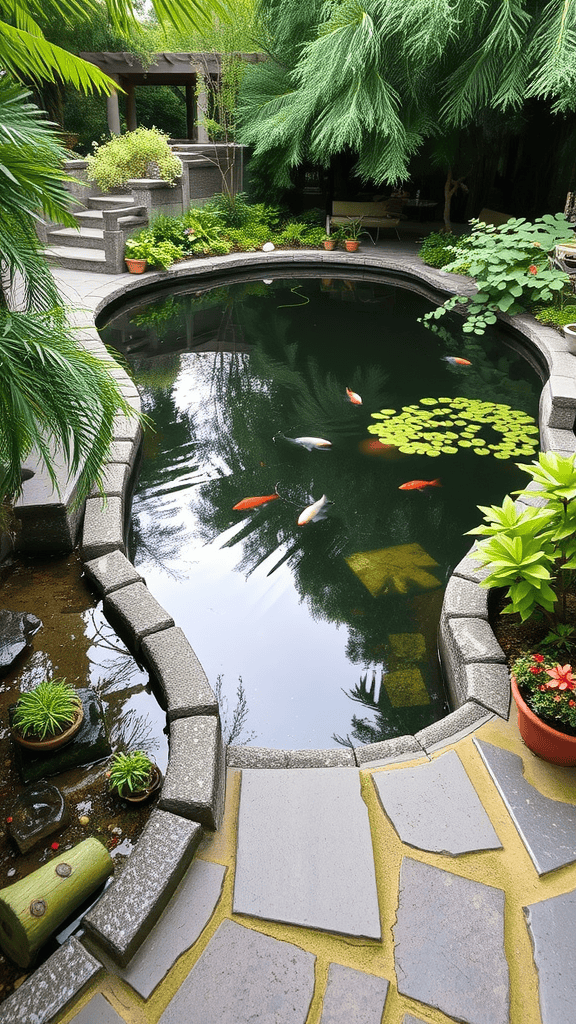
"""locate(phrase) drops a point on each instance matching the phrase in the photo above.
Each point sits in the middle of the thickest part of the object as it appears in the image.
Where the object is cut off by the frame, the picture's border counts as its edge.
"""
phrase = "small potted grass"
(133, 776)
(48, 716)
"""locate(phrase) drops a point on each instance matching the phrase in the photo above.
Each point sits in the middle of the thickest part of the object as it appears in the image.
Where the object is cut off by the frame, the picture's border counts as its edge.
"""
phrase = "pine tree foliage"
(378, 77)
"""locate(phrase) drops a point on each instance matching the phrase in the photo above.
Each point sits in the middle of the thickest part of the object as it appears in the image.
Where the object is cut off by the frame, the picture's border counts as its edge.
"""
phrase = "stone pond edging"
(192, 796)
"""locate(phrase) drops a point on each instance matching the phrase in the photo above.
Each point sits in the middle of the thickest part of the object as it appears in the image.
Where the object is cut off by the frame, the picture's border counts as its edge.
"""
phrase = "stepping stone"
(449, 937)
(245, 977)
(435, 807)
(305, 851)
(546, 827)
(97, 1011)
(16, 631)
(36, 813)
(551, 926)
(353, 997)
(183, 920)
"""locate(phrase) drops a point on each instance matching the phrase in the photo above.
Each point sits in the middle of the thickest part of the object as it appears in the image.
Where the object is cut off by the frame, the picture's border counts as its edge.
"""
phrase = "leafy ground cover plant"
(438, 249)
(46, 710)
(143, 153)
(548, 688)
(556, 316)
(532, 550)
(511, 267)
(130, 772)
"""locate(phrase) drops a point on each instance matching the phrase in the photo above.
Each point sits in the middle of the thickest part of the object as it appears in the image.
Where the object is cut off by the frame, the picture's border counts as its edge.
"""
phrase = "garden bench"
(372, 215)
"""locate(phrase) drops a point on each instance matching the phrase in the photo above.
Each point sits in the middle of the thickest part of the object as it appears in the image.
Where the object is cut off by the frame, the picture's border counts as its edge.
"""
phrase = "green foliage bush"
(438, 250)
(130, 156)
(556, 316)
(46, 710)
(129, 771)
(511, 267)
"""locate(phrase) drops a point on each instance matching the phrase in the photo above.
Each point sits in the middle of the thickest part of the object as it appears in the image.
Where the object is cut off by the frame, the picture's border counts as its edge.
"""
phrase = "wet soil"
(75, 642)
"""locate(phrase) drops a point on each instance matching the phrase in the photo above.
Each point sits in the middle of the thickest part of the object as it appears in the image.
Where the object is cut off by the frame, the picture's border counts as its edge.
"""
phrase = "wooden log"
(34, 907)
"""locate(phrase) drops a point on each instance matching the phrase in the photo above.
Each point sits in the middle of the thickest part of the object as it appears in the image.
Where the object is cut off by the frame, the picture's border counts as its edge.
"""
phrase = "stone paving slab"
(409, 1019)
(435, 807)
(546, 827)
(304, 852)
(97, 1011)
(353, 997)
(245, 977)
(182, 922)
(551, 924)
(54, 984)
(449, 952)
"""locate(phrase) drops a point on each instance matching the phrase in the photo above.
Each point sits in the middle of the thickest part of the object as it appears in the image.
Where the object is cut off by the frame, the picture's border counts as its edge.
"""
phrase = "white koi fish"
(314, 512)
(310, 443)
(353, 397)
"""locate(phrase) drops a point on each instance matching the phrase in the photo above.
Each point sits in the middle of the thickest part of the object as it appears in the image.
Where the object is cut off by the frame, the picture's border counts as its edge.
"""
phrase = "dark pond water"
(330, 627)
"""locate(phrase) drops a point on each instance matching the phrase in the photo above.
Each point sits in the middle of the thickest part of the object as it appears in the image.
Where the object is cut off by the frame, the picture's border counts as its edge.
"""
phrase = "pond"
(323, 633)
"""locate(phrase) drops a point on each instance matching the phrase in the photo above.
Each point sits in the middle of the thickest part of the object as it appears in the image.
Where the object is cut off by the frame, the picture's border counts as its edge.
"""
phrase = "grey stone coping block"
(396, 749)
(353, 997)
(562, 441)
(469, 640)
(122, 451)
(489, 686)
(181, 924)
(136, 612)
(97, 1011)
(245, 977)
(449, 951)
(114, 480)
(256, 757)
(435, 807)
(129, 907)
(180, 674)
(551, 927)
(469, 568)
(48, 991)
(103, 528)
(455, 726)
(126, 428)
(304, 853)
(563, 392)
(336, 758)
(195, 777)
(111, 572)
(464, 599)
(546, 827)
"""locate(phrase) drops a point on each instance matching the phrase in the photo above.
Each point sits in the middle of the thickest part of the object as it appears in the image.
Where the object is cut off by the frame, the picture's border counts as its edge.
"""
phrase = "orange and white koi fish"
(254, 502)
(456, 361)
(419, 485)
(353, 397)
(310, 443)
(314, 512)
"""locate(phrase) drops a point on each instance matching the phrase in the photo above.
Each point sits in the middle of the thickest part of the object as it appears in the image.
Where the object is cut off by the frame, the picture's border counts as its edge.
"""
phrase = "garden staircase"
(97, 244)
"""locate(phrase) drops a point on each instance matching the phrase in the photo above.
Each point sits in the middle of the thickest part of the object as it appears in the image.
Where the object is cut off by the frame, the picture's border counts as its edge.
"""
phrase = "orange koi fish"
(372, 446)
(254, 502)
(456, 361)
(314, 512)
(353, 397)
(419, 485)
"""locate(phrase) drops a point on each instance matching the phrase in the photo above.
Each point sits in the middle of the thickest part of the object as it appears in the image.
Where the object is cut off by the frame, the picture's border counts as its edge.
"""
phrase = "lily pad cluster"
(443, 426)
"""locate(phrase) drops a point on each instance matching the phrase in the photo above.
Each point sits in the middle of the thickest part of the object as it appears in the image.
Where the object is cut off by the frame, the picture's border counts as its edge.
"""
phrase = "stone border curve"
(192, 796)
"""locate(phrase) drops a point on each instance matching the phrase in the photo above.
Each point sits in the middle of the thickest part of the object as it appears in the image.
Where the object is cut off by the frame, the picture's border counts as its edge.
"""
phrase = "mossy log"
(31, 909)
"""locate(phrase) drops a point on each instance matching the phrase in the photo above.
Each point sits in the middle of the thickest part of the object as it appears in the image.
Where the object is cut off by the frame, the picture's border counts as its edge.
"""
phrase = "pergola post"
(113, 110)
(190, 110)
(131, 122)
(201, 107)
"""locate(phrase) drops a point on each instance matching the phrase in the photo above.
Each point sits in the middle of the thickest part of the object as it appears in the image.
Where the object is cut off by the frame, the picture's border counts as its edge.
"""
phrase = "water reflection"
(307, 615)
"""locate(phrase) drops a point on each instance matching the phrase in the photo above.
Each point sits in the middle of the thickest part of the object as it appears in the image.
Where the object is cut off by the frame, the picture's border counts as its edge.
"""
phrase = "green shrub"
(143, 246)
(46, 710)
(219, 247)
(556, 316)
(249, 238)
(437, 250)
(129, 771)
(232, 211)
(130, 156)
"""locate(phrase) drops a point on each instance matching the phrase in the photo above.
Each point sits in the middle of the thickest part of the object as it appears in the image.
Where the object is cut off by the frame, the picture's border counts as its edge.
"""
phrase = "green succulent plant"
(46, 710)
(130, 771)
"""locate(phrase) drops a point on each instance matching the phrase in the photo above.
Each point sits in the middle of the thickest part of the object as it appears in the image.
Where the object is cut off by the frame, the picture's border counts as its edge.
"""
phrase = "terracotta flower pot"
(542, 739)
(136, 266)
(329, 244)
(139, 796)
(50, 743)
(352, 244)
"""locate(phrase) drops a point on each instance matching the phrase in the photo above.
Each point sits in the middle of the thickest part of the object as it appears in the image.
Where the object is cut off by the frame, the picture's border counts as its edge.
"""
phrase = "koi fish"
(456, 361)
(419, 485)
(372, 446)
(314, 512)
(253, 502)
(353, 397)
(310, 443)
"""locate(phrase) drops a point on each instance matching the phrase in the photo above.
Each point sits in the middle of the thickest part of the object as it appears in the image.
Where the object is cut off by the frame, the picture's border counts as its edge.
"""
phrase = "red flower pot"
(351, 244)
(542, 739)
(329, 244)
(136, 266)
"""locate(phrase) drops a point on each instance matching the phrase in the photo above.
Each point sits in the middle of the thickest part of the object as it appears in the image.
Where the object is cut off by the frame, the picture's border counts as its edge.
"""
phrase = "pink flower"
(532, 269)
(535, 669)
(561, 677)
(538, 657)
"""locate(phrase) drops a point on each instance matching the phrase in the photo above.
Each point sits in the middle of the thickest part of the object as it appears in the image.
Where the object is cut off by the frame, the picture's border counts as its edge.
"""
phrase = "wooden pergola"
(187, 69)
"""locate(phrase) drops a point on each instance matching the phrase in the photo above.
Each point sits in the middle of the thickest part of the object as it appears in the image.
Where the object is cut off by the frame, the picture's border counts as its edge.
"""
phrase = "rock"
(16, 629)
(83, 819)
(38, 811)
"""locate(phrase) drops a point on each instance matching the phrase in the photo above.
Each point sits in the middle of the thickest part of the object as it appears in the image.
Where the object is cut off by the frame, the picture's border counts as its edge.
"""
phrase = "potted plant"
(133, 776)
(532, 551)
(143, 153)
(351, 233)
(138, 251)
(48, 716)
(329, 241)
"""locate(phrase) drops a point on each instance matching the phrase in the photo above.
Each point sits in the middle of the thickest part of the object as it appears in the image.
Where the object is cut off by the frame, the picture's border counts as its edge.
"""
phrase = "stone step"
(88, 238)
(108, 202)
(89, 217)
(77, 258)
